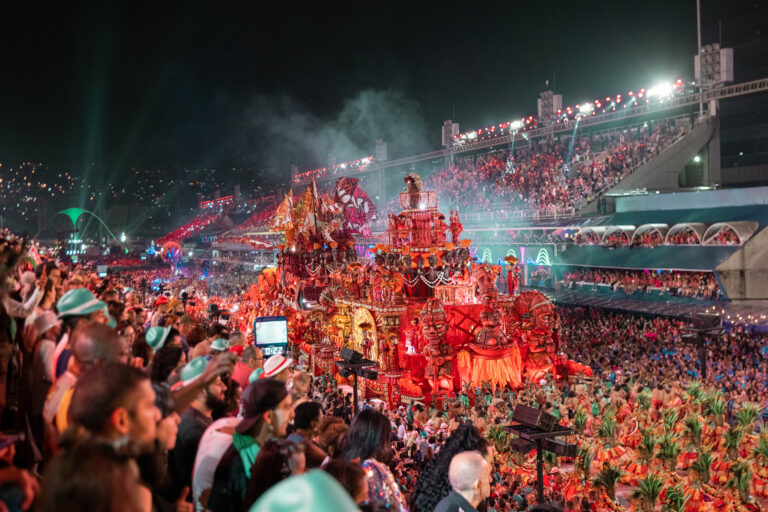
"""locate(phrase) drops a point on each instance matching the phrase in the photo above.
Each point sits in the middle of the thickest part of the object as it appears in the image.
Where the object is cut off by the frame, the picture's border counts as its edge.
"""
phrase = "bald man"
(93, 344)
(470, 477)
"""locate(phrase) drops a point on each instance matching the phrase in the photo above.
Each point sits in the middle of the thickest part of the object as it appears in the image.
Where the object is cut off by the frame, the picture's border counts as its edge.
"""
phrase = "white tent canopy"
(661, 229)
(610, 230)
(697, 227)
(743, 229)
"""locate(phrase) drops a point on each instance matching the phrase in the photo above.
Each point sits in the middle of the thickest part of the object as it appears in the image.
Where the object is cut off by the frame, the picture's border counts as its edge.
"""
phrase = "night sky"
(266, 85)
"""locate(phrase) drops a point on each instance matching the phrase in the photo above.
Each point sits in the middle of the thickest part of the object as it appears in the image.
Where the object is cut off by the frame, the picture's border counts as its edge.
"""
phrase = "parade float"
(417, 303)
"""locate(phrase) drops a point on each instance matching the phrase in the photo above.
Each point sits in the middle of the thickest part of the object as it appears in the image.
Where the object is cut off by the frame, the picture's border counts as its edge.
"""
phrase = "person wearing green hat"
(219, 345)
(267, 411)
(194, 420)
(156, 336)
(315, 491)
(255, 375)
(76, 307)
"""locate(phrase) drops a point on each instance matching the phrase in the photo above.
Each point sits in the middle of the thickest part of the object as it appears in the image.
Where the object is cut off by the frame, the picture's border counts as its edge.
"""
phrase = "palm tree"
(747, 415)
(761, 450)
(715, 408)
(674, 499)
(693, 430)
(580, 420)
(644, 402)
(670, 418)
(648, 491)
(668, 451)
(607, 479)
(702, 465)
(584, 457)
(498, 436)
(607, 430)
(694, 389)
(647, 445)
(740, 480)
(733, 438)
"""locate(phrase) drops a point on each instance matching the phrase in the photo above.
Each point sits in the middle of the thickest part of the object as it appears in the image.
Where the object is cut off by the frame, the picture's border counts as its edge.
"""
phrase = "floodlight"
(660, 90)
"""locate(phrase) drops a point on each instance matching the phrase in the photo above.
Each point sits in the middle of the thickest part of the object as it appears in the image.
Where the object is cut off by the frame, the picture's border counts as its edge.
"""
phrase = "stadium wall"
(744, 274)
(694, 200)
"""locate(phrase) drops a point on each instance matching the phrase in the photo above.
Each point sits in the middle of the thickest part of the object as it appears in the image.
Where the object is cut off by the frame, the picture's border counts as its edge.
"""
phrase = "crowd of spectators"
(190, 228)
(649, 238)
(699, 285)
(260, 219)
(654, 238)
(140, 402)
(726, 236)
(548, 174)
(685, 237)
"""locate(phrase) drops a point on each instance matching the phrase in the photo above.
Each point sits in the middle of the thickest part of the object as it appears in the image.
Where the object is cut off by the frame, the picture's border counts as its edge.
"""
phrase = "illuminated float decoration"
(421, 306)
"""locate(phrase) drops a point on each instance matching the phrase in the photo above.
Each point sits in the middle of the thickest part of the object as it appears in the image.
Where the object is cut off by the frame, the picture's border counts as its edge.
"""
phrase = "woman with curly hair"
(368, 442)
(165, 362)
(433, 484)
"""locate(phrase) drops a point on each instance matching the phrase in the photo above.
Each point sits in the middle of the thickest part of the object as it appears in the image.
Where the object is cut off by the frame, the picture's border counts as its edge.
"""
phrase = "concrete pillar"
(714, 175)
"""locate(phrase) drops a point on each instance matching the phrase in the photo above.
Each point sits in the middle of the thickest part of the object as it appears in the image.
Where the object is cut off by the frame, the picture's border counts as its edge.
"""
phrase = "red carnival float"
(419, 305)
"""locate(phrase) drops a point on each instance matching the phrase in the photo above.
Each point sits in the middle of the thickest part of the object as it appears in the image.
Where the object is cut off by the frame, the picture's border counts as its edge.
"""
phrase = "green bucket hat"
(79, 302)
(255, 374)
(220, 345)
(156, 337)
(193, 369)
(316, 491)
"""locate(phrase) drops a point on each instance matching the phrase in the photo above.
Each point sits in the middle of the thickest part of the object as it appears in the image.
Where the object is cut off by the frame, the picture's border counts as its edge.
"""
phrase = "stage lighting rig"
(353, 364)
(537, 428)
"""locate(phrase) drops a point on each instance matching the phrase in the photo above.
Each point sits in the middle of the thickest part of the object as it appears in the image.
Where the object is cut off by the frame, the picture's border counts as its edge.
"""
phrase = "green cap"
(194, 369)
(316, 491)
(255, 374)
(220, 345)
(156, 337)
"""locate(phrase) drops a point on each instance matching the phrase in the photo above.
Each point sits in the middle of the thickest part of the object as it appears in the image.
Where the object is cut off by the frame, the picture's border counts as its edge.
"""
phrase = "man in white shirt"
(215, 441)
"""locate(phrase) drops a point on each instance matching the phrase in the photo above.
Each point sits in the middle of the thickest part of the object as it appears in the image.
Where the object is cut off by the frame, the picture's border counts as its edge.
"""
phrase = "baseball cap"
(258, 398)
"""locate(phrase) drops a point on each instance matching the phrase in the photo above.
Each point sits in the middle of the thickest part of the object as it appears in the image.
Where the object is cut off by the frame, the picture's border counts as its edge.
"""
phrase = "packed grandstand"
(479, 288)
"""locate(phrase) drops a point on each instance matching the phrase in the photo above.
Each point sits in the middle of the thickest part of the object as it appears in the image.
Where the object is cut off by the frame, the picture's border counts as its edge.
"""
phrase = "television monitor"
(270, 334)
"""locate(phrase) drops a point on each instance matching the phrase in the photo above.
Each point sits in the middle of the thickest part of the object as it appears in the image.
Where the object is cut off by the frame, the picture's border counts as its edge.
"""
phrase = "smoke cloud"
(280, 131)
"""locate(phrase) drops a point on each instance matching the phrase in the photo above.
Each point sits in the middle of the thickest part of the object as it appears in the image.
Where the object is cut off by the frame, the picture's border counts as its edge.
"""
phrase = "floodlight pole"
(698, 51)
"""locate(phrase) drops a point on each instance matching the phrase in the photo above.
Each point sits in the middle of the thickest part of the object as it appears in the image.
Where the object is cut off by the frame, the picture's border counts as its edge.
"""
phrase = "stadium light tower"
(698, 52)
